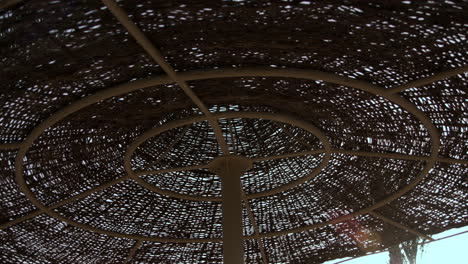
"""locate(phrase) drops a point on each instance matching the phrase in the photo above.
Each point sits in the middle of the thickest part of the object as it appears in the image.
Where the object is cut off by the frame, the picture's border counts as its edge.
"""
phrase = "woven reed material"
(55, 53)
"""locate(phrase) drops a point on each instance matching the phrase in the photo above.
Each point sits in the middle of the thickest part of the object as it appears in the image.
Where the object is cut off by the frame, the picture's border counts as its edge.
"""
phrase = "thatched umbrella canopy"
(126, 129)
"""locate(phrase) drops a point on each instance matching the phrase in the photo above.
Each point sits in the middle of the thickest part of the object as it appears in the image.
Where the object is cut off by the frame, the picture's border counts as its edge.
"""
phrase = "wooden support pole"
(230, 169)
(403, 227)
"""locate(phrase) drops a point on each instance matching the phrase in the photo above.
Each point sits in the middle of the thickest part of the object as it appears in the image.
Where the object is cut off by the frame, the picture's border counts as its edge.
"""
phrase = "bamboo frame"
(180, 79)
(140, 37)
(133, 251)
(223, 73)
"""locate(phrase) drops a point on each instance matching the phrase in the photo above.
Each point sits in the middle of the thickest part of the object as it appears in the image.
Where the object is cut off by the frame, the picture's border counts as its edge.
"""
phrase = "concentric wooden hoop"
(253, 115)
(223, 73)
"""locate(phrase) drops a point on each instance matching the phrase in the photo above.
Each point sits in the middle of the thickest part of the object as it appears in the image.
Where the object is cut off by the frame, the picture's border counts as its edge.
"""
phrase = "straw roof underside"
(357, 71)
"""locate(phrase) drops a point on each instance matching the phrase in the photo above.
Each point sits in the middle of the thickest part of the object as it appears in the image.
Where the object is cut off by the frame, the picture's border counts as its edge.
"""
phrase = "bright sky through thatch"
(452, 250)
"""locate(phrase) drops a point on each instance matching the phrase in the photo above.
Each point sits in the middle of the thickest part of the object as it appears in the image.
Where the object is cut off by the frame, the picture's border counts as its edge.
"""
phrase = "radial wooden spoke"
(366, 210)
(351, 190)
(89, 192)
(187, 168)
(452, 161)
(64, 202)
(289, 155)
(255, 228)
(170, 147)
(396, 156)
(177, 195)
(398, 225)
(428, 80)
(151, 187)
(130, 236)
(21, 219)
(140, 37)
(298, 139)
(379, 155)
(293, 183)
(133, 251)
(435, 144)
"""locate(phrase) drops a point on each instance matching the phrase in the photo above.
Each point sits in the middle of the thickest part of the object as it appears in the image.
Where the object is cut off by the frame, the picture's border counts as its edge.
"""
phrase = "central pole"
(230, 169)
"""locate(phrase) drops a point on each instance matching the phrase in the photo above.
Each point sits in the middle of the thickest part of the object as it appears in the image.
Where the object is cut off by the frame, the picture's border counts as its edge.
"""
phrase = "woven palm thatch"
(353, 113)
